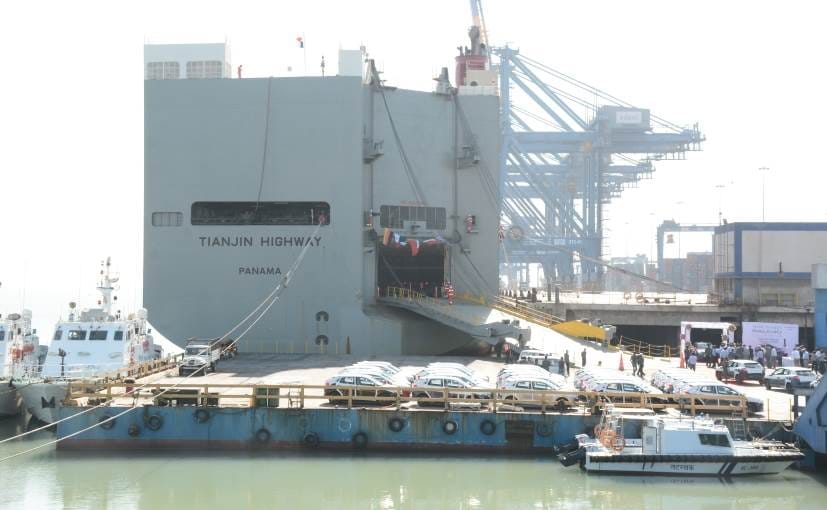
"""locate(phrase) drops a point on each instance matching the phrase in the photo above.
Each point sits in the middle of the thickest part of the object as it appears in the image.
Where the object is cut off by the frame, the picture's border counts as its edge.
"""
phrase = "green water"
(49, 479)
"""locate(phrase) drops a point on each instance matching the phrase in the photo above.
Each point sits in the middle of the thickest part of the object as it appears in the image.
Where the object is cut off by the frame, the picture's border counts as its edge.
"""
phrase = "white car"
(359, 385)
(472, 374)
(789, 378)
(437, 386)
(386, 367)
(709, 391)
(536, 357)
(741, 370)
(429, 372)
(375, 372)
(534, 393)
(527, 370)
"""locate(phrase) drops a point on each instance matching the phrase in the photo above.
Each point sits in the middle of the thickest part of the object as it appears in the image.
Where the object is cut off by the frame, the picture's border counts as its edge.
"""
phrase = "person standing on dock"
(693, 359)
(640, 364)
(561, 367)
(773, 357)
(759, 356)
(568, 363)
(583, 357)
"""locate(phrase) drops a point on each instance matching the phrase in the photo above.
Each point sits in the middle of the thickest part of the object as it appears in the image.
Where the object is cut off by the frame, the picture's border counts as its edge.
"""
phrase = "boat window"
(118, 335)
(98, 334)
(163, 70)
(58, 334)
(77, 334)
(2, 334)
(714, 439)
(260, 213)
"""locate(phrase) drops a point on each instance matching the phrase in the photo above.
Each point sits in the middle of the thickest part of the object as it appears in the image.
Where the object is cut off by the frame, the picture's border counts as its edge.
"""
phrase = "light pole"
(763, 171)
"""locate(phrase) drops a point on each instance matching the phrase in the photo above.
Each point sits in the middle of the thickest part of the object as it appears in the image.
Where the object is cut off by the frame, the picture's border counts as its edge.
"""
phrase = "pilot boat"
(670, 445)
(19, 358)
(89, 344)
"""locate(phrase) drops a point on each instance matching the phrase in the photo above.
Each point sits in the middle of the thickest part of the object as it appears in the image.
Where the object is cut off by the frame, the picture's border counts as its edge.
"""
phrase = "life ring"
(106, 421)
(607, 438)
(154, 422)
(133, 430)
(262, 435)
(311, 440)
(449, 427)
(396, 424)
(360, 440)
(344, 425)
(488, 427)
(543, 429)
(202, 415)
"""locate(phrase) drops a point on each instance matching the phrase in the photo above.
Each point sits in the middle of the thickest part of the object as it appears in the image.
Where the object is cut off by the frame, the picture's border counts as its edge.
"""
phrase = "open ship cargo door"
(423, 271)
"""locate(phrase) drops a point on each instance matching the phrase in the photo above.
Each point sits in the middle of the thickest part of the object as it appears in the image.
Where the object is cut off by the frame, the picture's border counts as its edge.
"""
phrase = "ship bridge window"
(167, 219)
(260, 213)
(163, 71)
(118, 335)
(204, 69)
(714, 439)
(395, 216)
(2, 335)
(77, 334)
(98, 334)
(58, 335)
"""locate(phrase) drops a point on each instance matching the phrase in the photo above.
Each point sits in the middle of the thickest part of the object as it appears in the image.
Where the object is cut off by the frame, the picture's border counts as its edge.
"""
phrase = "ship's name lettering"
(272, 271)
(263, 241)
(682, 467)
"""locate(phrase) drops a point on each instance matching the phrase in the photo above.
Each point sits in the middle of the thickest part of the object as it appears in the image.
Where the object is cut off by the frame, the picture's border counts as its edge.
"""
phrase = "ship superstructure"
(240, 173)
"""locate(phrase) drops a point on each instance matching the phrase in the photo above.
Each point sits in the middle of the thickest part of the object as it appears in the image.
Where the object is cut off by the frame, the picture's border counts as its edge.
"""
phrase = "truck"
(200, 356)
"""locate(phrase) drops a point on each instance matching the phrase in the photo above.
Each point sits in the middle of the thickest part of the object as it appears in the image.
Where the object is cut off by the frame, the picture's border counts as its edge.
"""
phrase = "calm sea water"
(49, 479)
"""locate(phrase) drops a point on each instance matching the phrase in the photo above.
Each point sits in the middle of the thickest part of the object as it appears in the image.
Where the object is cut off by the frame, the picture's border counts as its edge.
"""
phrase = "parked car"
(741, 370)
(528, 370)
(362, 385)
(536, 357)
(436, 386)
(388, 368)
(534, 393)
(789, 378)
(469, 372)
(708, 393)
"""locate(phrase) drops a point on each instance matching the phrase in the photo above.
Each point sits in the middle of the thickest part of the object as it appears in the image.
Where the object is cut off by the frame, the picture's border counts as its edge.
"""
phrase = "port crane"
(567, 150)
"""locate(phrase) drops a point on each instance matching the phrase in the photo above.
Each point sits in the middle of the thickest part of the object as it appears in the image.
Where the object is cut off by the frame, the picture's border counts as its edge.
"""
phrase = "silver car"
(789, 378)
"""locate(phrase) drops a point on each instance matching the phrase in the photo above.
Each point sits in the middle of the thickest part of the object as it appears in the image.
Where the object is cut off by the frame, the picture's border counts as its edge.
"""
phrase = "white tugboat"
(90, 343)
(19, 358)
(686, 446)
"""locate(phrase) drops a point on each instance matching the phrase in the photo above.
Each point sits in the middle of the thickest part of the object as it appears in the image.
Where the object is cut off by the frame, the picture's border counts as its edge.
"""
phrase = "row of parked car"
(709, 391)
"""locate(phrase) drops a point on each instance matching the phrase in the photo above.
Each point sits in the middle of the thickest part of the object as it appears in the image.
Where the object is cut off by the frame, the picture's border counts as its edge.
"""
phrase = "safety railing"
(410, 295)
(631, 345)
(524, 311)
(296, 395)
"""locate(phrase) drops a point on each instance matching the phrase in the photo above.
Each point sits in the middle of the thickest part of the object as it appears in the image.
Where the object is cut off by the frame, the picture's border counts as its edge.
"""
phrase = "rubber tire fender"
(488, 427)
(450, 427)
(359, 440)
(311, 440)
(154, 422)
(543, 429)
(262, 435)
(201, 415)
(134, 430)
(396, 424)
(106, 425)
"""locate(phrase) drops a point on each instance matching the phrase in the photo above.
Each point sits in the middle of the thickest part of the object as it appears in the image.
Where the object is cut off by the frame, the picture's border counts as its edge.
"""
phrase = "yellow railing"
(297, 395)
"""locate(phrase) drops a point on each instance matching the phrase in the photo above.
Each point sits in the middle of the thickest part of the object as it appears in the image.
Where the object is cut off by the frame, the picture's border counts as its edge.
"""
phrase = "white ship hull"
(43, 400)
(687, 466)
(9, 400)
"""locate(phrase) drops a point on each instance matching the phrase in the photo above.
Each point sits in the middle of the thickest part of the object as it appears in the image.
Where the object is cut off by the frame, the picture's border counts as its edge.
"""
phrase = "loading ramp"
(480, 320)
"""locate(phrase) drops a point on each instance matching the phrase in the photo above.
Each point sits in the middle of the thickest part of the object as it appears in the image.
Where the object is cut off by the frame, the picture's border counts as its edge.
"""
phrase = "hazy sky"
(71, 107)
